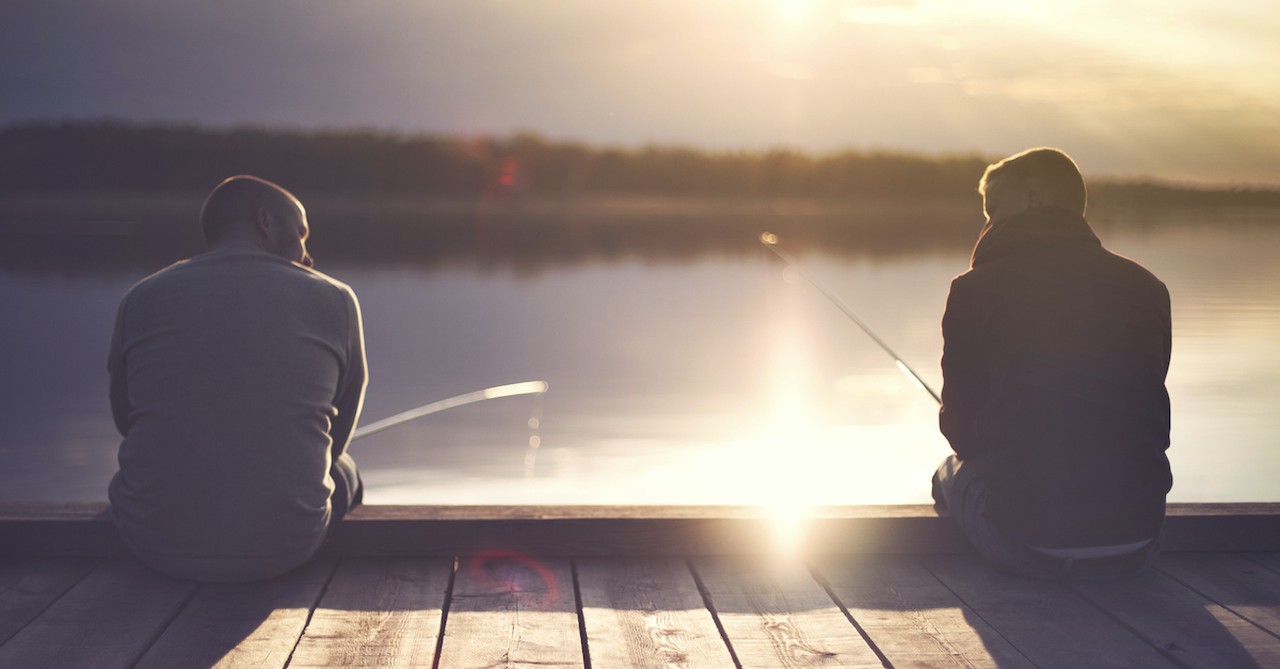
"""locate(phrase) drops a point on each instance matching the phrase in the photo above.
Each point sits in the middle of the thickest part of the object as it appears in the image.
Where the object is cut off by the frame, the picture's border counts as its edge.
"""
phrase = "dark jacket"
(1054, 360)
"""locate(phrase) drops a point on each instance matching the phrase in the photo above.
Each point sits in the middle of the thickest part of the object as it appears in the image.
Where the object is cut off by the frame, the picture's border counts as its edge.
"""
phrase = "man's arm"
(1166, 326)
(964, 374)
(119, 393)
(350, 397)
(1166, 334)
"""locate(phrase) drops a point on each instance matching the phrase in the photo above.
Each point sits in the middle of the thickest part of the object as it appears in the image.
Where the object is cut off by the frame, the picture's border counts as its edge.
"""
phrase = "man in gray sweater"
(237, 377)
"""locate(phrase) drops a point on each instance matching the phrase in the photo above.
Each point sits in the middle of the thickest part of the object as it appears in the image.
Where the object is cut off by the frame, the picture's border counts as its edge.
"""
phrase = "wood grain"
(33, 529)
(1247, 588)
(107, 620)
(1269, 560)
(912, 618)
(1184, 625)
(647, 613)
(100, 511)
(28, 587)
(777, 615)
(1199, 609)
(377, 613)
(233, 625)
(1048, 623)
(512, 611)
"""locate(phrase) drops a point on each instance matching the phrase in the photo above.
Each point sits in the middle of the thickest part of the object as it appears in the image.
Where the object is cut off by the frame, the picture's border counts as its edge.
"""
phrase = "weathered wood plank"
(1222, 527)
(1047, 622)
(1248, 589)
(100, 511)
(705, 512)
(28, 587)
(597, 534)
(647, 613)
(378, 613)
(1183, 624)
(576, 531)
(912, 618)
(621, 512)
(107, 620)
(230, 625)
(777, 615)
(512, 611)
(65, 530)
(1269, 560)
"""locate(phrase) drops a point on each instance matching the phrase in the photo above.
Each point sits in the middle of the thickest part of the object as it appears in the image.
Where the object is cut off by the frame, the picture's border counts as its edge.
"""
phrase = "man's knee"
(348, 489)
(943, 483)
(939, 499)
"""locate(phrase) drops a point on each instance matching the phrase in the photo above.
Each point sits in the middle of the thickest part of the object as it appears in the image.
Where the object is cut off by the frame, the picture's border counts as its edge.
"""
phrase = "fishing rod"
(771, 242)
(508, 390)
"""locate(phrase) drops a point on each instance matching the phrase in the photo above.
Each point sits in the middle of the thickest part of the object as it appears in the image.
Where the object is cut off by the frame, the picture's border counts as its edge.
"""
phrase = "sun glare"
(789, 524)
(779, 458)
(794, 12)
(885, 13)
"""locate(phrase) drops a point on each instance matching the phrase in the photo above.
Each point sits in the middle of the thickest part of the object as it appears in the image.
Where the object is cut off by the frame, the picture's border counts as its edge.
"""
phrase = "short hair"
(236, 201)
(1050, 171)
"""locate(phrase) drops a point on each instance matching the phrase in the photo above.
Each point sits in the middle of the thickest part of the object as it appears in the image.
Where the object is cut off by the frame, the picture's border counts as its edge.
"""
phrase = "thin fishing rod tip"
(768, 238)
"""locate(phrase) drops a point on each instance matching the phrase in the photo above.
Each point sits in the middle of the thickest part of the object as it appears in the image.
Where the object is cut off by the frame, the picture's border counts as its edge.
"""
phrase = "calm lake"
(713, 378)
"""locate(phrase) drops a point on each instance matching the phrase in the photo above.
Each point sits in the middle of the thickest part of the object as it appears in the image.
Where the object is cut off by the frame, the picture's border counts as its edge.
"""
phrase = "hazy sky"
(1183, 89)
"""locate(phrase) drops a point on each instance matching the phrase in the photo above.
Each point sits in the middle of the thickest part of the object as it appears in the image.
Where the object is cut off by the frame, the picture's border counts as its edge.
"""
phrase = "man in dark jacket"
(1054, 360)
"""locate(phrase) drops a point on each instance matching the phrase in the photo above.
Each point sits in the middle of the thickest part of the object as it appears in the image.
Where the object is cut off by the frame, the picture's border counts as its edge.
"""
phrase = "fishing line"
(771, 242)
(508, 390)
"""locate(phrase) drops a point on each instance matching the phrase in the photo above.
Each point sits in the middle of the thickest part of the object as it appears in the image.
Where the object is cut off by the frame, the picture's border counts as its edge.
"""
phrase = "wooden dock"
(627, 587)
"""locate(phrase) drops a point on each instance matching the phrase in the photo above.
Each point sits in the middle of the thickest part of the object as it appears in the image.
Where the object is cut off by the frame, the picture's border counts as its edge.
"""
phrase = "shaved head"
(236, 202)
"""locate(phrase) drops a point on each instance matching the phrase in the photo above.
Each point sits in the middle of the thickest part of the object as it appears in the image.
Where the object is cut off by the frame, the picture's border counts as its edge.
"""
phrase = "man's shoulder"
(1083, 256)
(970, 292)
(159, 278)
(319, 276)
(202, 269)
(972, 279)
(325, 284)
(1135, 270)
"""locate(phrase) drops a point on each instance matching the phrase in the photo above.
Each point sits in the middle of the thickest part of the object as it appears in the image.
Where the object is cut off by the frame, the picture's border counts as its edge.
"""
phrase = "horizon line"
(404, 134)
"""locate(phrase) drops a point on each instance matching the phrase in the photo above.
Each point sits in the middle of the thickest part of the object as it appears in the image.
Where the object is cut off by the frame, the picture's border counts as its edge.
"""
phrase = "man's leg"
(946, 472)
(348, 489)
(960, 491)
(348, 492)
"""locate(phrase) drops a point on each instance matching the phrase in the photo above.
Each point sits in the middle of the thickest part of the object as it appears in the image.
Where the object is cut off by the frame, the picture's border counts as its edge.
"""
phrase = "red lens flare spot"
(507, 177)
(519, 574)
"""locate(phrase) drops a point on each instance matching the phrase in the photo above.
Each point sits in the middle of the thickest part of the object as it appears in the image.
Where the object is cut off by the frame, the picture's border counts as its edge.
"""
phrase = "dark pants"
(348, 489)
(348, 492)
(960, 490)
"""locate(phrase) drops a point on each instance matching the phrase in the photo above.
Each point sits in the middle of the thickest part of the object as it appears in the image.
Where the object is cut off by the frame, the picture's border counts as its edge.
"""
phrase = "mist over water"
(679, 372)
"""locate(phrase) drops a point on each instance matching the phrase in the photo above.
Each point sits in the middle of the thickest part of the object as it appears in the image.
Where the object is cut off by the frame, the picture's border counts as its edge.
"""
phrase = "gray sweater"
(236, 378)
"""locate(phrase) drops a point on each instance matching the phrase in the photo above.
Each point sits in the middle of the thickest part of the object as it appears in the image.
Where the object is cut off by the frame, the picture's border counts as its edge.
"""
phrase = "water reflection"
(696, 376)
(72, 235)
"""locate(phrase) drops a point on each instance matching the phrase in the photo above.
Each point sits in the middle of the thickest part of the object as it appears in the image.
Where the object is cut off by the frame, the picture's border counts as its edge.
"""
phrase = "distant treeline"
(116, 156)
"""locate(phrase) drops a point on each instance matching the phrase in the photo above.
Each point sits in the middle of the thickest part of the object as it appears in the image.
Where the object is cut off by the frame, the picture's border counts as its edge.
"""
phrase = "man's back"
(229, 374)
(1056, 354)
